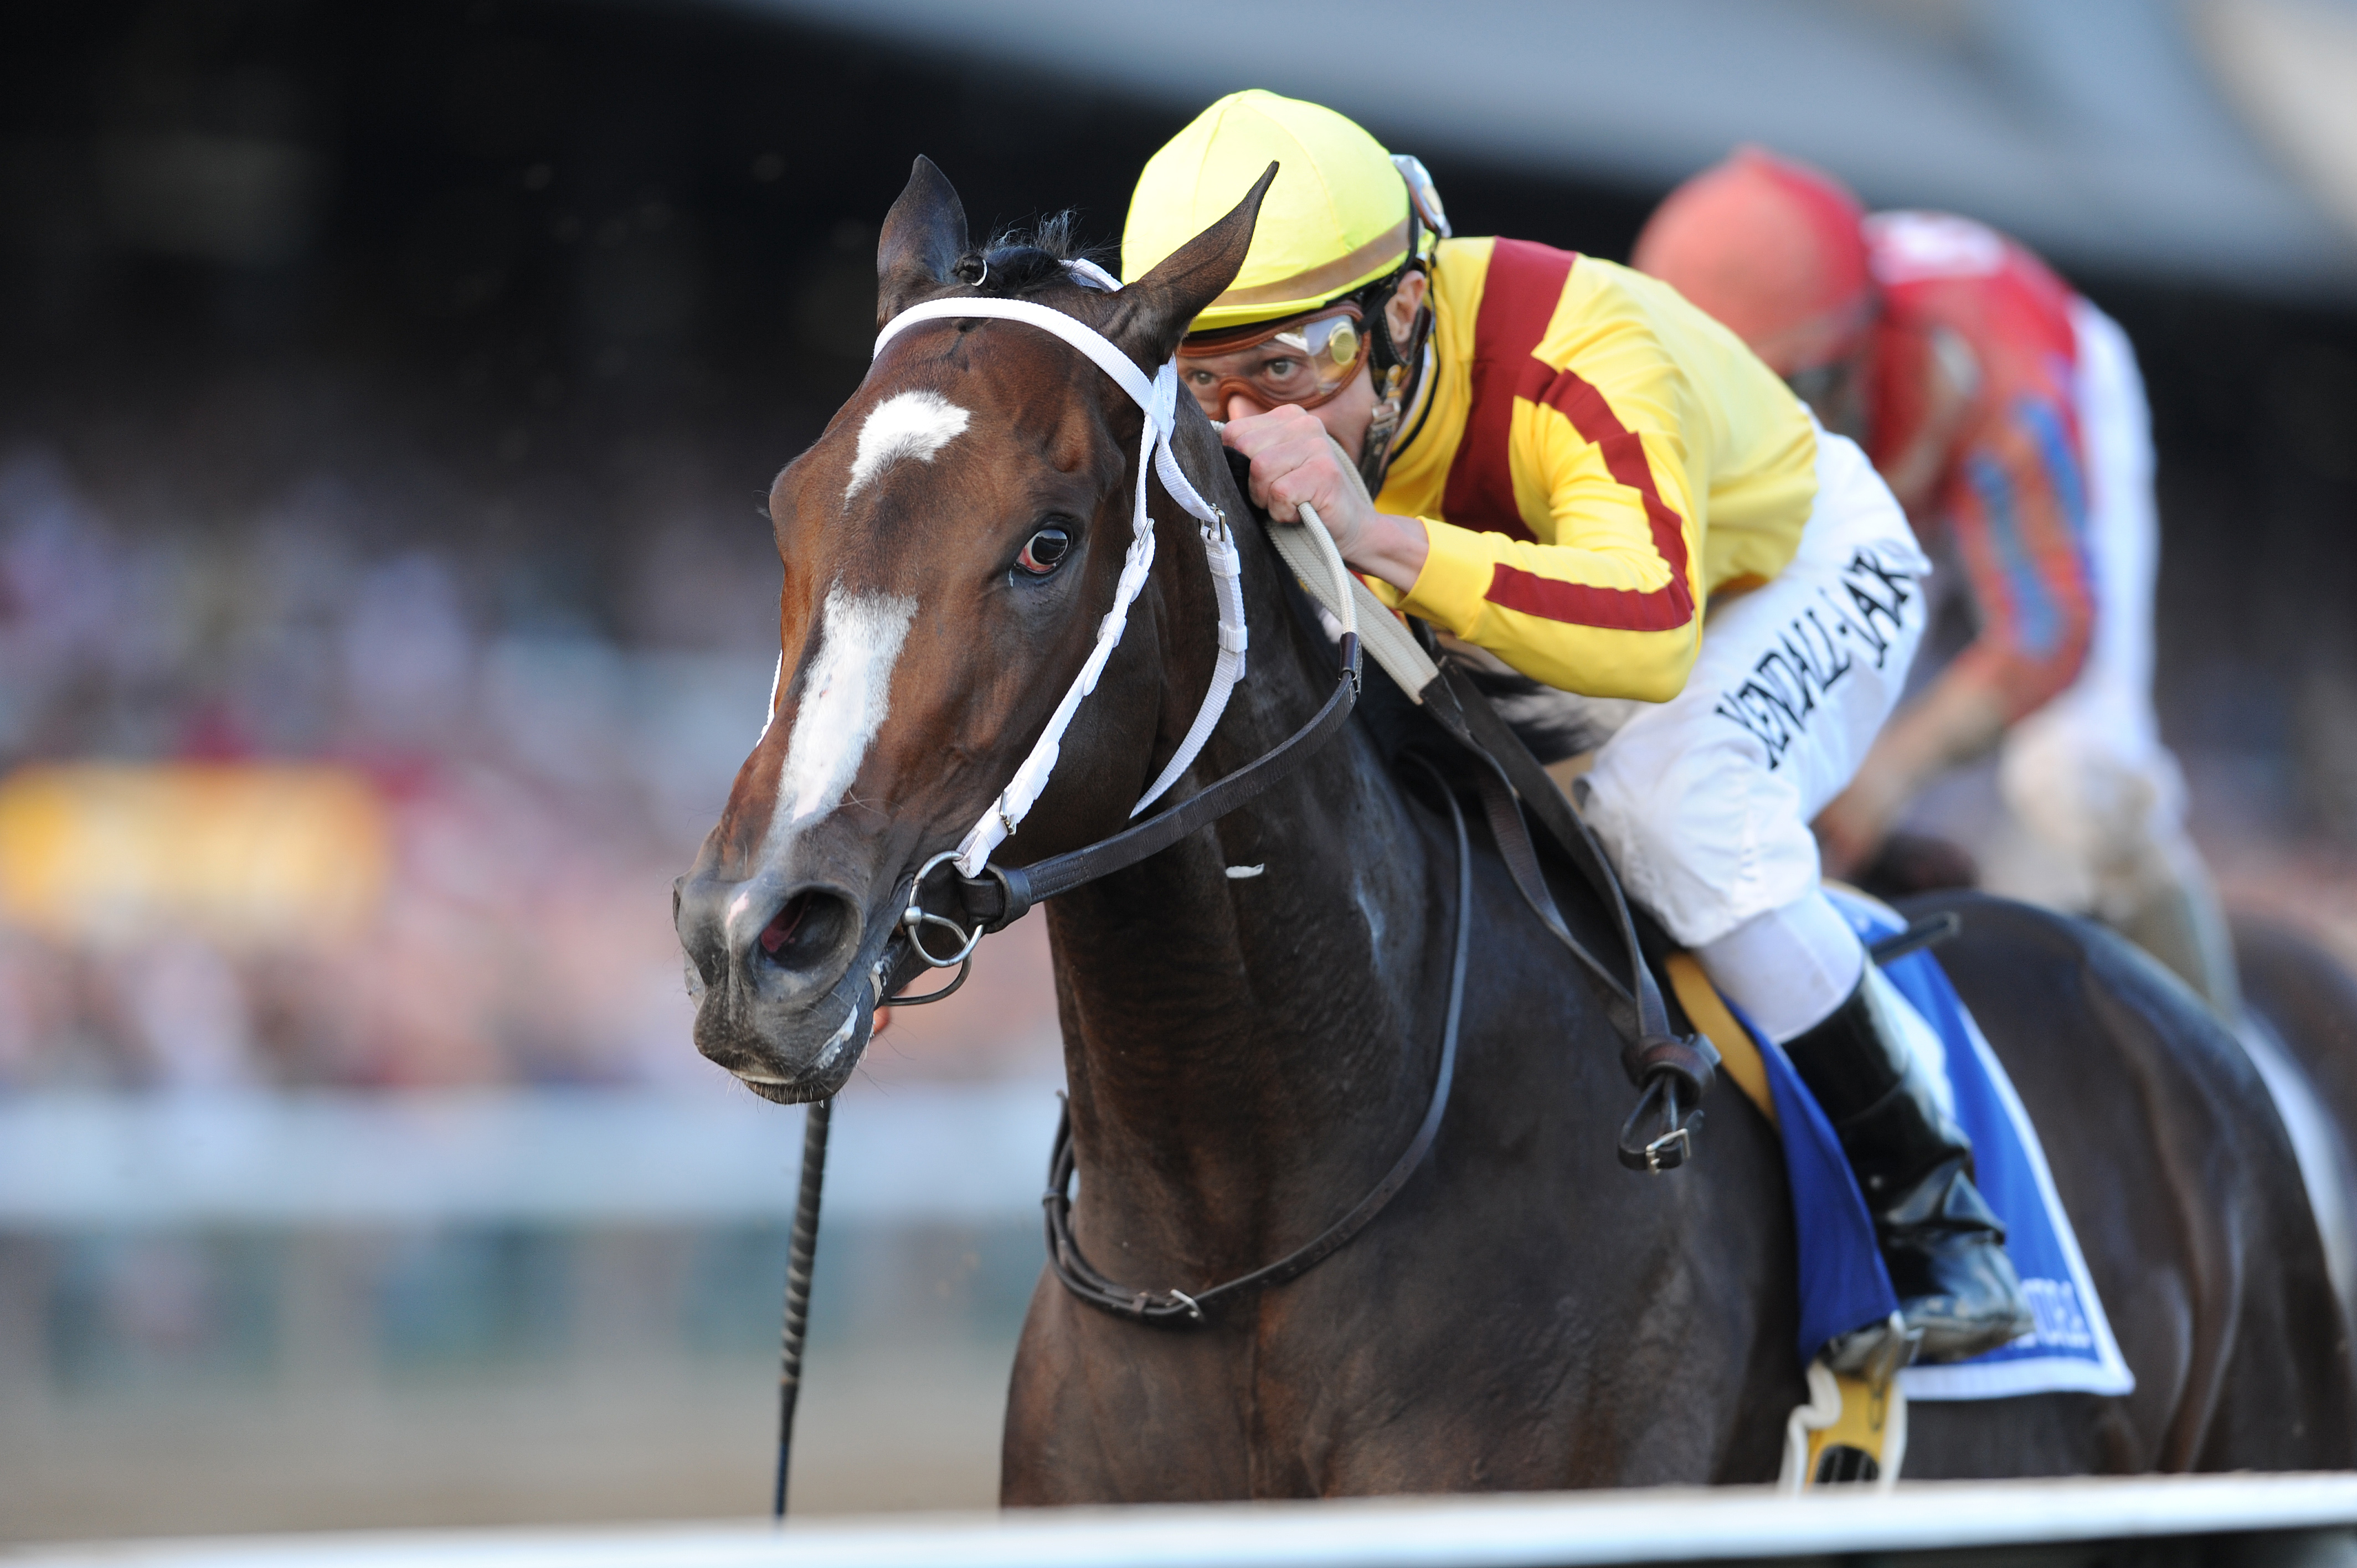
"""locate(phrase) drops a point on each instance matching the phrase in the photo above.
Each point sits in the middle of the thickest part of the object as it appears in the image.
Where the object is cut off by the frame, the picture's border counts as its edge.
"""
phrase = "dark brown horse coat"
(1246, 1057)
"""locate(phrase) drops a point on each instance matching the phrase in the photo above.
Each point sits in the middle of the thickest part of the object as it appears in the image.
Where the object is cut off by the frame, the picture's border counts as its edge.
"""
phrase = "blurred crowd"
(425, 453)
(534, 790)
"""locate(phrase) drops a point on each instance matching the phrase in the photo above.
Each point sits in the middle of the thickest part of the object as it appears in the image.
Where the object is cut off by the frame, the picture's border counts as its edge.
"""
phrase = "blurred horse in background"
(2299, 1025)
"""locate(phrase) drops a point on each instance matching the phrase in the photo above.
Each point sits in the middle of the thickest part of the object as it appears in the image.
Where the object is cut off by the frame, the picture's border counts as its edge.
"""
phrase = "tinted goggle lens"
(1306, 362)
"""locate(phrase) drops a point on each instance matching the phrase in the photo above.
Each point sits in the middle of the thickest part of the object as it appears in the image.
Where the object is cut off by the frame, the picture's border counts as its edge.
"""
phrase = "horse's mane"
(1017, 262)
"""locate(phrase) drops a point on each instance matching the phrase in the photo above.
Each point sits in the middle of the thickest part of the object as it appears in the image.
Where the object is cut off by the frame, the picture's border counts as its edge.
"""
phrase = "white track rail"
(914, 1154)
(1496, 1531)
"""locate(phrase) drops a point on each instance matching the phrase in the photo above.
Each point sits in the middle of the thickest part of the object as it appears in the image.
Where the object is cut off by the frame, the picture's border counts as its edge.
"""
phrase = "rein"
(1664, 1067)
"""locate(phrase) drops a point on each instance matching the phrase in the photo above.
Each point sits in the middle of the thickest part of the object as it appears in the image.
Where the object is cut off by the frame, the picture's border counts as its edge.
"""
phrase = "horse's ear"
(1151, 314)
(924, 235)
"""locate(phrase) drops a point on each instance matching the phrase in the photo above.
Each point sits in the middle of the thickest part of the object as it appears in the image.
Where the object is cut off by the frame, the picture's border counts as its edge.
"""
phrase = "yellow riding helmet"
(1338, 218)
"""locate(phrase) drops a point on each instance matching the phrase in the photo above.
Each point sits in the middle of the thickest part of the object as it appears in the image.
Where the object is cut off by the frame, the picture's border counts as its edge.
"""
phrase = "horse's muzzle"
(791, 977)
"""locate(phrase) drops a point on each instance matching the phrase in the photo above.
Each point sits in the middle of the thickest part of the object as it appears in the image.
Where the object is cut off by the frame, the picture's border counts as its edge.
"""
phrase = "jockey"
(1559, 464)
(2005, 414)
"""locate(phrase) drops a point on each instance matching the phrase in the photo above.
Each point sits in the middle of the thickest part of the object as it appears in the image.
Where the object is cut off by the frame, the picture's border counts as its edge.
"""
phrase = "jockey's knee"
(1787, 970)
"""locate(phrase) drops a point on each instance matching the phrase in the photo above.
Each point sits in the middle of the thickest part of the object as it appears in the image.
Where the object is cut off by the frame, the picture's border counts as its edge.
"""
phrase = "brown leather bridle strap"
(1184, 1308)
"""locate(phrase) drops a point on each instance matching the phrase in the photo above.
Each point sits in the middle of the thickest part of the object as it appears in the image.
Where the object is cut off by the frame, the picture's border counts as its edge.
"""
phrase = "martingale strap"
(1179, 1308)
(1671, 1072)
(1159, 399)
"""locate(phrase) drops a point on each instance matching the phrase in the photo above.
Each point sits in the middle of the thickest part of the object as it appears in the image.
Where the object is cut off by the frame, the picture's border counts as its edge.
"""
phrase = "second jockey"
(1565, 468)
(2007, 416)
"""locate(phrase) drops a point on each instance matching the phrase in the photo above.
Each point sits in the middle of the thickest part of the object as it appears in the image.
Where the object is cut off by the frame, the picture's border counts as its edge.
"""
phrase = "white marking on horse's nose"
(908, 425)
(737, 924)
(844, 700)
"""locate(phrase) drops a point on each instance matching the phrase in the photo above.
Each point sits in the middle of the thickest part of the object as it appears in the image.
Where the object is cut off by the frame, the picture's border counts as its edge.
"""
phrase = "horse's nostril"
(804, 931)
(785, 924)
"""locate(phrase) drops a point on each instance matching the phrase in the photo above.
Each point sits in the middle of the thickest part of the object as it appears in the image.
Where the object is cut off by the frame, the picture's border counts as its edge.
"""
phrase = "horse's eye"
(1044, 552)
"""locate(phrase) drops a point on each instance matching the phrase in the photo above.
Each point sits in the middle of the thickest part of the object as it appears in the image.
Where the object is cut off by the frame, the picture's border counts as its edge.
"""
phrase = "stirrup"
(1875, 1352)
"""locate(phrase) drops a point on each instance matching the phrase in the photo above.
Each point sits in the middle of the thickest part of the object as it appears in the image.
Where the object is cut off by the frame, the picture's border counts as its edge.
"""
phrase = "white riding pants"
(2087, 775)
(1703, 801)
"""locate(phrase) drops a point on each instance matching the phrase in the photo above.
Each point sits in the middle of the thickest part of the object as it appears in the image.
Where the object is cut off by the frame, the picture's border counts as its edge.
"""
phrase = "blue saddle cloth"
(1844, 1284)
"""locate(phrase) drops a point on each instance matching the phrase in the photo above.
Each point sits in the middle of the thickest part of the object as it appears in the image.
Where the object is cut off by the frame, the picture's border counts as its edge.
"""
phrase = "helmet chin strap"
(1405, 380)
(1401, 373)
(1383, 425)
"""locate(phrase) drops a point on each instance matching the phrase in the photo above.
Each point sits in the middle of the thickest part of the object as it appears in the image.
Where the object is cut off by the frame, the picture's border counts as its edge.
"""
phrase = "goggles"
(1303, 359)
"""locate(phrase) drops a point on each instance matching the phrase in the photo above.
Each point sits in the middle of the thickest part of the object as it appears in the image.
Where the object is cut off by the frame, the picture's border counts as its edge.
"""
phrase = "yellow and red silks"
(1593, 458)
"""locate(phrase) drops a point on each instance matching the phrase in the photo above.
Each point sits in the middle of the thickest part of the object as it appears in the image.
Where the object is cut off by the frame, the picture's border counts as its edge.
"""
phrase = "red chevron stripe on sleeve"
(1518, 297)
(1665, 608)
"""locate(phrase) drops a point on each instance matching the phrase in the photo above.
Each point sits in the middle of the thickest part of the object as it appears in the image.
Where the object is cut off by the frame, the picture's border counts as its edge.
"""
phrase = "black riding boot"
(1941, 1240)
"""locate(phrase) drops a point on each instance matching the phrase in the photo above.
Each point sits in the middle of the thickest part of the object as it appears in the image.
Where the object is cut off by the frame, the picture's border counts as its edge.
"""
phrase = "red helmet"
(1772, 248)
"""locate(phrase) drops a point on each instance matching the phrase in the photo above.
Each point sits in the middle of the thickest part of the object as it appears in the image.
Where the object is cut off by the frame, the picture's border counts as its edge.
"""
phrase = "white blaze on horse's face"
(843, 702)
(907, 425)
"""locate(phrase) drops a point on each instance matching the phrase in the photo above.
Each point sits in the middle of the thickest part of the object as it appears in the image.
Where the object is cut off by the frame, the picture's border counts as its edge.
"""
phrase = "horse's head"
(951, 543)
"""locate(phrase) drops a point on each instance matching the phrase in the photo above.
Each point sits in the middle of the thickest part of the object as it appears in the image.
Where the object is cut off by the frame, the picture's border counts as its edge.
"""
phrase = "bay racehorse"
(1248, 1050)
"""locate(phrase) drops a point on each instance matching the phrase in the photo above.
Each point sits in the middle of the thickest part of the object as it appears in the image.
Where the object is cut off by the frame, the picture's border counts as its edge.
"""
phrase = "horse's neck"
(1247, 1052)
